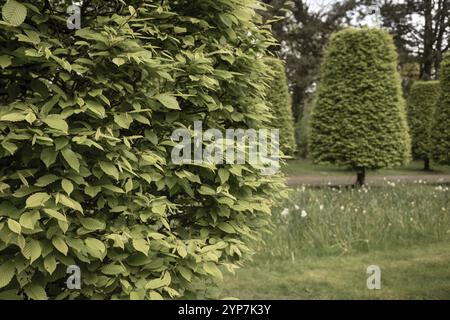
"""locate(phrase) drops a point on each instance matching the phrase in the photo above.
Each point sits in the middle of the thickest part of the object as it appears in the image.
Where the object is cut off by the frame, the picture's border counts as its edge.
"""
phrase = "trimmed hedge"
(441, 125)
(86, 176)
(422, 102)
(280, 102)
(359, 120)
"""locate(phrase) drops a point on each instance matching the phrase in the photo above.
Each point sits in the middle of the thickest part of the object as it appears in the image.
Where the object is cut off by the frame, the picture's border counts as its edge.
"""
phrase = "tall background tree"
(422, 102)
(441, 126)
(359, 119)
(280, 101)
(421, 31)
(303, 29)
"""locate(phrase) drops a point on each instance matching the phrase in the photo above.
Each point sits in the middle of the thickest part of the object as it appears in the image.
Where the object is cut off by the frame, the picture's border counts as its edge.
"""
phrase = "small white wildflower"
(304, 214)
(296, 207)
(342, 208)
(285, 212)
(321, 207)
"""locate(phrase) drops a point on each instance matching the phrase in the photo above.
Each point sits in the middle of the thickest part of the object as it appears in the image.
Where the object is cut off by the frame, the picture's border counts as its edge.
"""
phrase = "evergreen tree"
(359, 120)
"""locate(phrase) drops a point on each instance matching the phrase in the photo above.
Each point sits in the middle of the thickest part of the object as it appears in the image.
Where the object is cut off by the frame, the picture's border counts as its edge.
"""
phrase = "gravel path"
(317, 180)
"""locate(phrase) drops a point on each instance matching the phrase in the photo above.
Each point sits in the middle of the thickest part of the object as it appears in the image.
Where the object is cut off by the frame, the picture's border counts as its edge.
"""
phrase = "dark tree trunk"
(426, 166)
(360, 178)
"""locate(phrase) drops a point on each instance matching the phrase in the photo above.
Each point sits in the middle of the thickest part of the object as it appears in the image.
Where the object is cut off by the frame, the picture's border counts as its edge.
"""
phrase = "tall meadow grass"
(327, 221)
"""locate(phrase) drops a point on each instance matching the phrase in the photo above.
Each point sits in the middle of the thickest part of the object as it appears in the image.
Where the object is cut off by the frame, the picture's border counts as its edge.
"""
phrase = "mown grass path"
(420, 272)
(304, 172)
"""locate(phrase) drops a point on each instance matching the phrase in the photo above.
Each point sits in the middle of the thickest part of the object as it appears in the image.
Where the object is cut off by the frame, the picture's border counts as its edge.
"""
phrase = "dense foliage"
(303, 129)
(359, 119)
(441, 125)
(422, 102)
(86, 116)
(281, 105)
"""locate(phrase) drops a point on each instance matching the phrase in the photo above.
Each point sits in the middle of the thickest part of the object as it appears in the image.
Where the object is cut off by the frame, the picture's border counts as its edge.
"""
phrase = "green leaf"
(141, 245)
(185, 273)
(158, 283)
(60, 245)
(212, 269)
(10, 147)
(50, 263)
(55, 214)
(168, 101)
(46, 180)
(56, 122)
(123, 120)
(155, 295)
(14, 226)
(35, 291)
(71, 158)
(32, 250)
(29, 219)
(48, 156)
(67, 186)
(182, 251)
(14, 13)
(226, 227)
(92, 224)
(7, 271)
(37, 200)
(113, 269)
(13, 117)
(92, 190)
(224, 175)
(118, 61)
(68, 202)
(97, 248)
(96, 108)
(110, 169)
(5, 61)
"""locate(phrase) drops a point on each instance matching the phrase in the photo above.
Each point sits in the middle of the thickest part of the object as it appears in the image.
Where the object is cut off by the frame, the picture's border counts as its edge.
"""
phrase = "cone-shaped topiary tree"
(422, 103)
(359, 120)
(280, 102)
(441, 126)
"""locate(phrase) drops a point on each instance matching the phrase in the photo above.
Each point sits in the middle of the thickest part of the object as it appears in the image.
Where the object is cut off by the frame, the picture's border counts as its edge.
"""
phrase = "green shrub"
(281, 105)
(422, 102)
(359, 120)
(86, 176)
(441, 126)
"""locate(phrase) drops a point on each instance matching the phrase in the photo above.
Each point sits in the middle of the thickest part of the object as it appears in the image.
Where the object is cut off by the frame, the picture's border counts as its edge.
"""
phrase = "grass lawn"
(408, 273)
(306, 167)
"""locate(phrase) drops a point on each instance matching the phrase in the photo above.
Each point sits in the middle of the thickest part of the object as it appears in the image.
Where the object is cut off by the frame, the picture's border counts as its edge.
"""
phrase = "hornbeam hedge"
(422, 102)
(441, 124)
(86, 177)
(359, 120)
(281, 106)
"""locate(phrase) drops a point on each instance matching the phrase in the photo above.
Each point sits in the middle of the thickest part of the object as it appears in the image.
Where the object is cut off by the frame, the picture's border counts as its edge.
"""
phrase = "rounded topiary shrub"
(359, 119)
(280, 103)
(87, 181)
(441, 124)
(422, 102)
